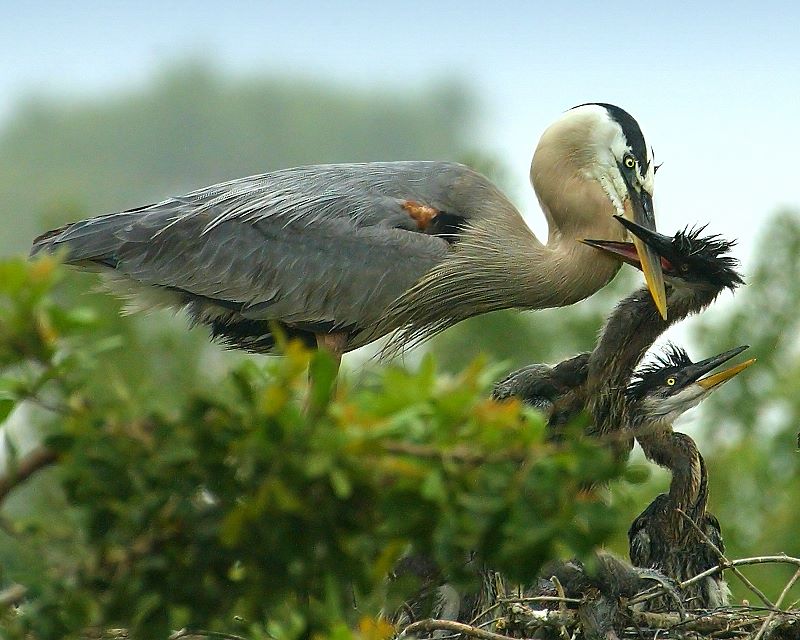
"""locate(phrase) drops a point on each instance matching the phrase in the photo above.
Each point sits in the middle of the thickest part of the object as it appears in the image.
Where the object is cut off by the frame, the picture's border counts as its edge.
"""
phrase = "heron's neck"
(532, 275)
(677, 452)
(629, 332)
(498, 263)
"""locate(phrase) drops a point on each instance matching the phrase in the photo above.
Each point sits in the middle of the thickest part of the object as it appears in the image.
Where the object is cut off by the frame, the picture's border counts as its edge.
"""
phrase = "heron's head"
(685, 257)
(662, 390)
(593, 163)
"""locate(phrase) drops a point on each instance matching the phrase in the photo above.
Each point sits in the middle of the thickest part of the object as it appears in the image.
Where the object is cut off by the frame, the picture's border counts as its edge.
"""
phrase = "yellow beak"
(641, 212)
(718, 378)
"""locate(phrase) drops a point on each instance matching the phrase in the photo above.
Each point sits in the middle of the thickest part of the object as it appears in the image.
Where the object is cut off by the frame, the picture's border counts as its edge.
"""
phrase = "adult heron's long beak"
(639, 209)
(657, 247)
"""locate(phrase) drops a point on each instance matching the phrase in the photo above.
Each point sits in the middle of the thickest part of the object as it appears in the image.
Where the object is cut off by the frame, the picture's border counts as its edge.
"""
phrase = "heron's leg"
(334, 344)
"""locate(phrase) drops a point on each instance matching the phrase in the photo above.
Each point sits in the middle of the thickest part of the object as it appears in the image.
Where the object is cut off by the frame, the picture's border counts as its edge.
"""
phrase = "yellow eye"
(629, 162)
(671, 381)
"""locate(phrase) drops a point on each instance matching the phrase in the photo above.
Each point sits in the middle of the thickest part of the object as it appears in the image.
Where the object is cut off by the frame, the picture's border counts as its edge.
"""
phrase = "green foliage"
(235, 510)
(750, 428)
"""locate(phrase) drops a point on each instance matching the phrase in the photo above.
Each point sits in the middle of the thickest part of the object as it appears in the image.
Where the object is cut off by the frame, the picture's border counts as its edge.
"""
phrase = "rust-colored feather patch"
(422, 214)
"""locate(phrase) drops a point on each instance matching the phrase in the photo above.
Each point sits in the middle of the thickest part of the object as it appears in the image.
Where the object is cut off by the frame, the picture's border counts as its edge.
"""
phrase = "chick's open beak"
(717, 379)
(657, 248)
(693, 373)
(639, 209)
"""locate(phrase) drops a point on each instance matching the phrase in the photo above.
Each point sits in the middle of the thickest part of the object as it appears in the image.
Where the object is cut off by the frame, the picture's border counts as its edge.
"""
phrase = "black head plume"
(657, 370)
(707, 256)
(630, 129)
(688, 255)
(672, 356)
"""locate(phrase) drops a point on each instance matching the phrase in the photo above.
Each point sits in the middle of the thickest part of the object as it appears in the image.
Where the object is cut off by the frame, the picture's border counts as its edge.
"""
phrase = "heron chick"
(665, 535)
(340, 255)
(696, 269)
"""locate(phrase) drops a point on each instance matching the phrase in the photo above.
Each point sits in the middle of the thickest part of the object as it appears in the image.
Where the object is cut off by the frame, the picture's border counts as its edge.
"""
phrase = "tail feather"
(95, 240)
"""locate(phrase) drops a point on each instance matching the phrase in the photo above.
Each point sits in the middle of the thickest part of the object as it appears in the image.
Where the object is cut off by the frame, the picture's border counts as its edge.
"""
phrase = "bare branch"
(779, 602)
(12, 595)
(26, 467)
(659, 590)
(449, 625)
(542, 599)
(727, 563)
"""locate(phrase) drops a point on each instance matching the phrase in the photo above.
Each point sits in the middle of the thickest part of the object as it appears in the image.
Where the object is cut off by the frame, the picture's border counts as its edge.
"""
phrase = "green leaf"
(341, 484)
(6, 407)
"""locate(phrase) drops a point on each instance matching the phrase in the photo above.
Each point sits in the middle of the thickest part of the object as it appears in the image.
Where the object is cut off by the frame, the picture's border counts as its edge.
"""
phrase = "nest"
(565, 618)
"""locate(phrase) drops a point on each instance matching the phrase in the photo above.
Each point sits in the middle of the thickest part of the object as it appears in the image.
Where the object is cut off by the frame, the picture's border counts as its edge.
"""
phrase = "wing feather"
(330, 243)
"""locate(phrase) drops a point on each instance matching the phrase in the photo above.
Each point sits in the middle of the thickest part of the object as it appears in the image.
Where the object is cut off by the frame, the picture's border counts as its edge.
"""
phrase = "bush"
(233, 509)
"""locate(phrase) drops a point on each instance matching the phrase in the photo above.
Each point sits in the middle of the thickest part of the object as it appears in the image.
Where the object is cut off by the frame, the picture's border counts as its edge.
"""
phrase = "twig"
(12, 595)
(542, 599)
(562, 630)
(654, 592)
(778, 603)
(449, 625)
(456, 454)
(34, 461)
(727, 562)
(528, 620)
(483, 613)
(201, 633)
(783, 558)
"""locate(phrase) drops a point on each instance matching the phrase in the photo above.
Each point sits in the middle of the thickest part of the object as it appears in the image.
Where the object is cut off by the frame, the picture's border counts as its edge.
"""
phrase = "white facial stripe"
(608, 134)
(611, 188)
(608, 147)
(649, 178)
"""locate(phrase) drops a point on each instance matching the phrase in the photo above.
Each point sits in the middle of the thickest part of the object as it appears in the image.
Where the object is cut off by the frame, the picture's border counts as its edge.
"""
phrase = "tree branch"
(26, 467)
(778, 603)
(724, 561)
(12, 595)
(450, 625)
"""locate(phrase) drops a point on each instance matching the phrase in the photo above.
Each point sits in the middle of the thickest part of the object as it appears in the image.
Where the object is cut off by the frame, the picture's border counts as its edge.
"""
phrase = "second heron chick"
(667, 536)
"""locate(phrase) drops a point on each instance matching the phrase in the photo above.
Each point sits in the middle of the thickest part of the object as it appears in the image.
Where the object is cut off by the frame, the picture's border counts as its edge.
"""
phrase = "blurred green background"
(191, 125)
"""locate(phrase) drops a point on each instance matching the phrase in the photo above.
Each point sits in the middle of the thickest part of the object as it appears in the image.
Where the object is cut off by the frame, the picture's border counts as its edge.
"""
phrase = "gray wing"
(646, 545)
(332, 244)
(530, 384)
(541, 385)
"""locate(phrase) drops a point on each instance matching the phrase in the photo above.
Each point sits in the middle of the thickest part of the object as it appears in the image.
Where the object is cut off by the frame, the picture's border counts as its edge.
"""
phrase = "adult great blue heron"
(661, 537)
(339, 255)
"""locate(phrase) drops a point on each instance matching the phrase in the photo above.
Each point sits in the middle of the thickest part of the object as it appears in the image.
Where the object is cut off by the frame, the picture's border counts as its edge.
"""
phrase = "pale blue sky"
(715, 87)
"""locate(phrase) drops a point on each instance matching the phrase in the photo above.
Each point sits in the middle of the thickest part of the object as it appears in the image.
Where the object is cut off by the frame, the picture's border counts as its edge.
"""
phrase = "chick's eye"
(629, 162)
(671, 382)
(684, 267)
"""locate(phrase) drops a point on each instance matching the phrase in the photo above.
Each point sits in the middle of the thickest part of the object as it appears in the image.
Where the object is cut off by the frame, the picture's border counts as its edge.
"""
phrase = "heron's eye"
(629, 162)
(684, 267)
(671, 382)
